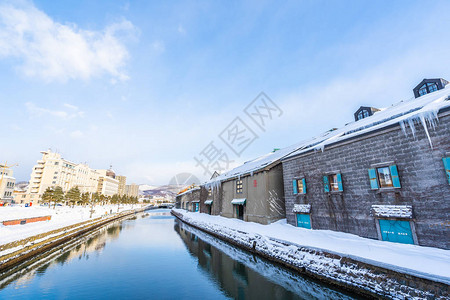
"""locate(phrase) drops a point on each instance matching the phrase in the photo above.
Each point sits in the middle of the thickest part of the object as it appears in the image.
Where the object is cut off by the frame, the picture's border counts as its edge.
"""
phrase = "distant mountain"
(21, 186)
(159, 191)
(146, 187)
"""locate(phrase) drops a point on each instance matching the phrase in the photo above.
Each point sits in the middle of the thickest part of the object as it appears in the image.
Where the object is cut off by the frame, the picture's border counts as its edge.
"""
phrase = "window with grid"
(363, 114)
(239, 187)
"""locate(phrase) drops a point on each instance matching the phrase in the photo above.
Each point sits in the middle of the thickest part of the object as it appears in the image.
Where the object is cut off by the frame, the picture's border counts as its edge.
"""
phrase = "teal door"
(196, 207)
(304, 221)
(396, 231)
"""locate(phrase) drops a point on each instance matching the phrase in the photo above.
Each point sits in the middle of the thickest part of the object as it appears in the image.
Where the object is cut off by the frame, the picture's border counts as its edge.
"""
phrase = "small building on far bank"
(189, 199)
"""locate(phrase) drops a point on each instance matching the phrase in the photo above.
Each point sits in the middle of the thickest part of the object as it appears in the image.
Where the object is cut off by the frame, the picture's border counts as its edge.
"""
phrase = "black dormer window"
(427, 86)
(363, 114)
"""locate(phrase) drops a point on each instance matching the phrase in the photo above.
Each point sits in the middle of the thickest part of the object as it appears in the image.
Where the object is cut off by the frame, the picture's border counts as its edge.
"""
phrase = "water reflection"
(82, 249)
(242, 275)
(146, 258)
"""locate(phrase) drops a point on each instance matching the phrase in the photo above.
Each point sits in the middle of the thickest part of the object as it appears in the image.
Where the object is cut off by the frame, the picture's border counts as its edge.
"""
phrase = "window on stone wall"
(384, 177)
(210, 192)
(239, 187)
(333, 182)
(300, 186)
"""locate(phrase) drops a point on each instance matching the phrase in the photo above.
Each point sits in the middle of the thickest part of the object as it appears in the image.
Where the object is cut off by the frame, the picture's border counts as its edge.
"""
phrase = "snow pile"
(302, 208)
(392, 211)
(425, 262)
(61, 216)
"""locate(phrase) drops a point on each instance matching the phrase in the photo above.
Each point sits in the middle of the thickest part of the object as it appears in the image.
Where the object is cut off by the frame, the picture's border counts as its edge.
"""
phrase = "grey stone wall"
(421, 172)
(264, 193)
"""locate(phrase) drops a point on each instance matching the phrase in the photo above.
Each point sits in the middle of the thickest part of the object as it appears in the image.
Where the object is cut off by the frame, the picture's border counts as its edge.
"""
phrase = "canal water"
(155, 256)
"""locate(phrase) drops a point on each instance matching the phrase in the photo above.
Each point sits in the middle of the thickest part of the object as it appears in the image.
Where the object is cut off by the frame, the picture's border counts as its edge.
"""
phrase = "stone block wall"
(424, 184)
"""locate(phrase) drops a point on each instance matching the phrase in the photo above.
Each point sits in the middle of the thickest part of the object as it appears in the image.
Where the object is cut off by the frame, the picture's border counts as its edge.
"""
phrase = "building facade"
(122, 184)
(189, 200)
(132, 190)
(7, 184)
(388, 181)
(108, 185)
(53, 170)
(257, 197)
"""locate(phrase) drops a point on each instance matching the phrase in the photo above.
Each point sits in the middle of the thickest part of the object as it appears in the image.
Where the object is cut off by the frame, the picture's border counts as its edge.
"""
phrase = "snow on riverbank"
(61, 216)
(417, 260)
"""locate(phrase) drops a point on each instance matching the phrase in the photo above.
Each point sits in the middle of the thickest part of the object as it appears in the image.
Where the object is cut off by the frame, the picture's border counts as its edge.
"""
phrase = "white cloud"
(58, 52)
(36, 111)
(158, 46)
(181, 29)
(76, 134)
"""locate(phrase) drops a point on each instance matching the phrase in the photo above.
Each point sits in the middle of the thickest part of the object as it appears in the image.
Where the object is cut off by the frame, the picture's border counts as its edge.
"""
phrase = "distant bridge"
(166, 205)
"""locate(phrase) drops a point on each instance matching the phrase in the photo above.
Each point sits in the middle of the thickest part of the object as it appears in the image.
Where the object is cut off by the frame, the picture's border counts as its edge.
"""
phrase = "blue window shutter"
(304, 185)
(294, 185)
(394, 175)
(326, 185)
(373, 179)
(339, 179)
(446, 161)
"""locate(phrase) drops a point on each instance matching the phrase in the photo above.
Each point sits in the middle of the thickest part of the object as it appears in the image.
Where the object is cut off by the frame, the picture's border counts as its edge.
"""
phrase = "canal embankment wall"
(351, 274)
(17, 252)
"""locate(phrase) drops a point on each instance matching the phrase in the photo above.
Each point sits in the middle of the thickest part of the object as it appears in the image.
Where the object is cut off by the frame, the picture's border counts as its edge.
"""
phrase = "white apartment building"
(108, 185)
(53, 170)
(7, 183)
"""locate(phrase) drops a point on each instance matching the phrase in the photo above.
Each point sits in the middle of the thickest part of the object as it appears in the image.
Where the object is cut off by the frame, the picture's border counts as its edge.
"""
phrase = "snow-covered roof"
(208, 202)
(238, 201)
(422, 110)
(302, 208)
(256, 164)
(188, 191)
(392, 211)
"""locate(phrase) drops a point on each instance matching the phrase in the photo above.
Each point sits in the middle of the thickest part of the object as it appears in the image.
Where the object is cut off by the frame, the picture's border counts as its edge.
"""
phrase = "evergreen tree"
(48, 195)
(73, 195)
(58, 195)
(102, 198)
(84, 198)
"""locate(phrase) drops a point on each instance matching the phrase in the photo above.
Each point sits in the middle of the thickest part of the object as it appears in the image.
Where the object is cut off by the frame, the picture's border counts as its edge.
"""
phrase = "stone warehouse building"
(252, 192)
(385, 176)
(189, 200)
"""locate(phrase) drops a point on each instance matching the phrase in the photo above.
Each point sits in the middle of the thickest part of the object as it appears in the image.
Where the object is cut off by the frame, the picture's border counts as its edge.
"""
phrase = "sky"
(147, 86)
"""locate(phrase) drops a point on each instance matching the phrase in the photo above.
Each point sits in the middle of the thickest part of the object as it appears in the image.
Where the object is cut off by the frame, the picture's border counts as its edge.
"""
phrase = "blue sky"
(145, 86)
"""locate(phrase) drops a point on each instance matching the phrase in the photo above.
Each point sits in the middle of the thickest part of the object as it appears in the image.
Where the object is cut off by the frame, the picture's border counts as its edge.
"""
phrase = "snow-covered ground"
(417, 260)
(61, 216)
